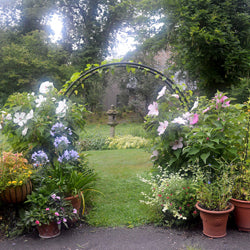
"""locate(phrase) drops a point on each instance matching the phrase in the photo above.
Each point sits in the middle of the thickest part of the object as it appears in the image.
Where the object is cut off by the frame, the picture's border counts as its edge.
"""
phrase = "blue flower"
(61, 141)
(68, 155)
(40, 158)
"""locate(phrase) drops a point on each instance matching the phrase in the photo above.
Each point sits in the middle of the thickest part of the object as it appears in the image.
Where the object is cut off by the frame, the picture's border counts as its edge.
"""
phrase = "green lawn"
(118, 181)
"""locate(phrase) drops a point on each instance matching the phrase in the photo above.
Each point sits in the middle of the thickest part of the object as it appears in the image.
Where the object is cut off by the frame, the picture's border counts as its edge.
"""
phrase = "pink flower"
(64, 220)
(74, 211)
(57, 214)
(153, 109)
(161, 129)
(205, 110)
(195, 119)
(59, 222)
(37, 222)
(47, 209)
(162, 92)
(177, 144)
(53, 196)
(223, 98)
(227, 104)
(58, 197)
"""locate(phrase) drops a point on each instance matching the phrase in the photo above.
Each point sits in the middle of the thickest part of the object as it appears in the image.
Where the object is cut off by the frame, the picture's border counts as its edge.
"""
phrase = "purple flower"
(68, 155)
(40, 158)
(63, 140)
(74, 211)
(59, 222)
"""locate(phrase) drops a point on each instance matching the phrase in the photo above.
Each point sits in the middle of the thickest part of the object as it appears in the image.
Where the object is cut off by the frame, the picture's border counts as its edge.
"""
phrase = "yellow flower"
(20, 182)
(13, 182)
(9, 182)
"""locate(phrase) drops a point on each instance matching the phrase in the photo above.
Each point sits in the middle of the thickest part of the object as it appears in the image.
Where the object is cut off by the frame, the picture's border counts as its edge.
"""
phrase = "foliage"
(45, 209)
(241, 187)
(123, 142)
(214, 191)
(28, 118)
(173, 194)
(208, 39)
(208, 132)
(27, 59)
(14, 170)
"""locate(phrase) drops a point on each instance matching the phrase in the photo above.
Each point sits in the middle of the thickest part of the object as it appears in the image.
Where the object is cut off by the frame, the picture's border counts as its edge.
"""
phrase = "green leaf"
(193, 151)
(205, 156)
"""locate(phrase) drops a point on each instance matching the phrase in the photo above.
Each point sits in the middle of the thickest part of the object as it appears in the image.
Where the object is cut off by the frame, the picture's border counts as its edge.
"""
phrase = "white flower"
(175, 95)
(20, 118)
(162, 92)
(8, 117)
(40, 100)
(179, 120)
(62, 108)
(1, 126)
(24, 132)
(45, 87)
(186, 115)
(30, 115)
(153, 109)
(161, 129)
(196, 103)
(177, 144)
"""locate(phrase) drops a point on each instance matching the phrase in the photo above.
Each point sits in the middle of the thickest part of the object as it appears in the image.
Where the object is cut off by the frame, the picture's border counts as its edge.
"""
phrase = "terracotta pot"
(75, 201)
(48, 231)
(242, 214)
(214, 222)
(16, 194)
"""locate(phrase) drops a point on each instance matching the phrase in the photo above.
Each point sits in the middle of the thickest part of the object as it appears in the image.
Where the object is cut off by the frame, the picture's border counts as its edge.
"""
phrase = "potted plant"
(213, 195)
(15, 173)
(48, 212)
(241, 197)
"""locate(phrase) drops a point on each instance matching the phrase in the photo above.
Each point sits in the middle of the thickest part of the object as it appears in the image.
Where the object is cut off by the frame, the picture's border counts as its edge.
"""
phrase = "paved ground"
(146, 237)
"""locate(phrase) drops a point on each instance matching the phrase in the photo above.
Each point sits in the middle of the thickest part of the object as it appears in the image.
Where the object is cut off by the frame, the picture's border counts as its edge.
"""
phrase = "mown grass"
(119, 205)
(103, 130)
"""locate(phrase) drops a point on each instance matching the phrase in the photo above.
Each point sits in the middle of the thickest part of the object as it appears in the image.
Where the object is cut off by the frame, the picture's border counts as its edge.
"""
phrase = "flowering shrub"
(174, 194)
(14, 170)
(45, 209)
(208, 131)
(128, 141)
(27, 119)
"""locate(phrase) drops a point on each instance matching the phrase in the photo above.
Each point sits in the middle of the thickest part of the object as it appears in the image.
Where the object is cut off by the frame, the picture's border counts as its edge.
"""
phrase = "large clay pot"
(48, 231)
(214, 222)
(75, 201)
(16, 194)
(242, 214)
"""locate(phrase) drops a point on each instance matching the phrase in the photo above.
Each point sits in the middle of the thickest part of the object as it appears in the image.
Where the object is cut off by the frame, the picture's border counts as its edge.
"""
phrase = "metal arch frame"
(74, 85)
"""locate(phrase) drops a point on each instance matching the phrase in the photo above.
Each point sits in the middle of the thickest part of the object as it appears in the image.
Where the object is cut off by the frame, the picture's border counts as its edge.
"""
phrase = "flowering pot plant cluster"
(44, 209)
(44, 127)
(199, 138)
(14, 170)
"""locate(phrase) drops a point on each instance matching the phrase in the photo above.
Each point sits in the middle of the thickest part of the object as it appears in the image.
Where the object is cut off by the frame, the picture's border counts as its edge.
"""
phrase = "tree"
(209, 40)
(28, 59)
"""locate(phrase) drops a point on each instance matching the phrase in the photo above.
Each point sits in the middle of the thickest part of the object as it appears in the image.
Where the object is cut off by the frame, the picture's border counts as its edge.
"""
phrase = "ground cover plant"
(119, 205)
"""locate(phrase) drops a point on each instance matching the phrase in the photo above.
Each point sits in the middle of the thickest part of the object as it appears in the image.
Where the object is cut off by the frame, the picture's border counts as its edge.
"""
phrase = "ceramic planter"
(242, 214)
(48, 231)
(16, 194)
(75, 201)
(214, 222)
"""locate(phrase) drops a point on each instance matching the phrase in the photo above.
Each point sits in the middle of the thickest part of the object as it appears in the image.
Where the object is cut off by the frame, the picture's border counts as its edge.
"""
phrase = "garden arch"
(171, 86)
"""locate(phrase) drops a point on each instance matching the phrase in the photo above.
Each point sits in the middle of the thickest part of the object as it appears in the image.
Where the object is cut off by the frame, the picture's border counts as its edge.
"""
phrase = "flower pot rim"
(239, 200)
(230, 209)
